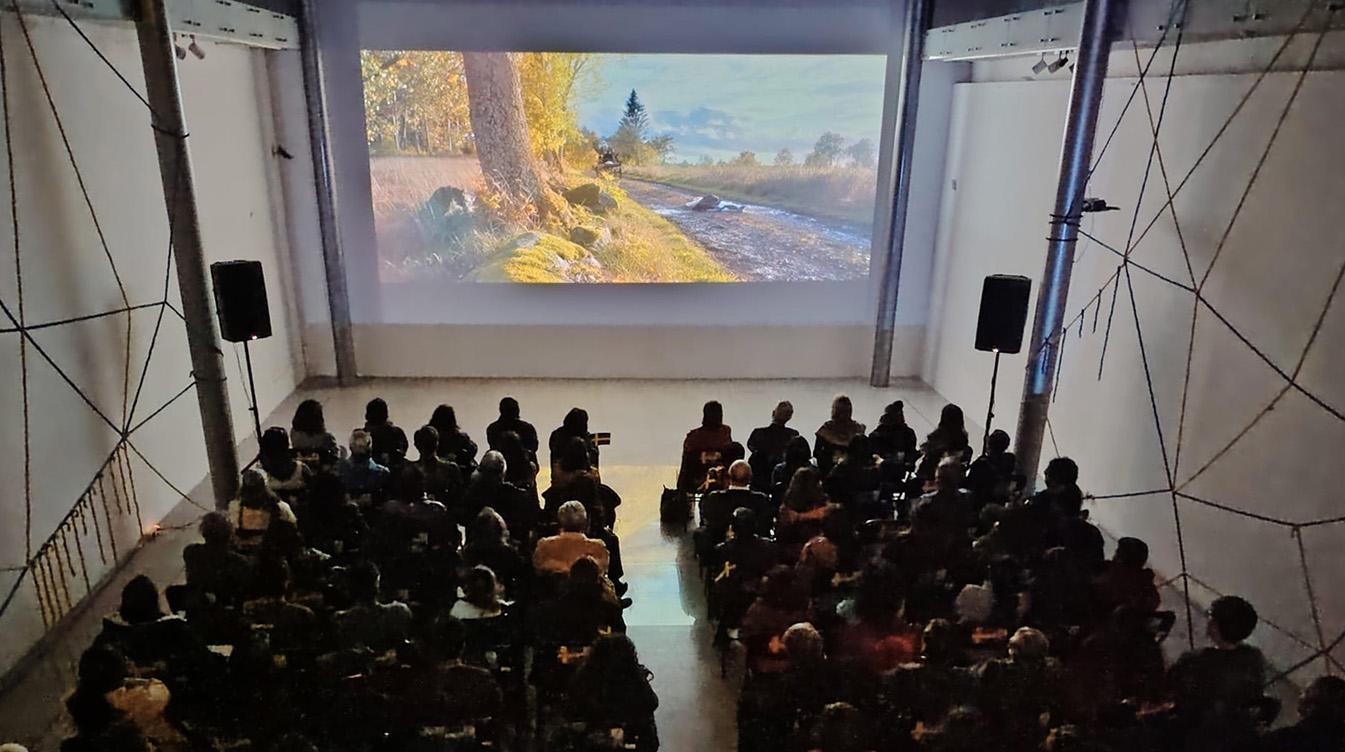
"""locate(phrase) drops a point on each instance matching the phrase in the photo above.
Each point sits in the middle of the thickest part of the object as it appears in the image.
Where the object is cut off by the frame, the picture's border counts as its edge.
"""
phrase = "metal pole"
(990, 411)
(179, 188)
(908, 99)
(333, 255)
(1090, 73)
(252, 387)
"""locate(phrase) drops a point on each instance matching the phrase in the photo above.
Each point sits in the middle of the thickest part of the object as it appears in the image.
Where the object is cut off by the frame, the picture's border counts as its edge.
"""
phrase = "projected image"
(604, 168)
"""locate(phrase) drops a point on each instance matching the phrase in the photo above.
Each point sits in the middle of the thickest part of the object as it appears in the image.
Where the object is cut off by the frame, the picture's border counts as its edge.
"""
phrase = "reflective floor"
(647, 420)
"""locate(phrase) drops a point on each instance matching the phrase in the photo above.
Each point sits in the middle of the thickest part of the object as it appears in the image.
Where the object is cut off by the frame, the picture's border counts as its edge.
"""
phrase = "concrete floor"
(647, 420)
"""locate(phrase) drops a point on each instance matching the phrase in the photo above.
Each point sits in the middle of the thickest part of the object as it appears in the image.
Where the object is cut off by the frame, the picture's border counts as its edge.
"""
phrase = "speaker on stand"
(999, 327)
(244, 315)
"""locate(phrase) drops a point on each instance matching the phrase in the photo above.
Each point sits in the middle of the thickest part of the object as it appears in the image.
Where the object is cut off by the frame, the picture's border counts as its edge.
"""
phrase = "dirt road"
(761, 243)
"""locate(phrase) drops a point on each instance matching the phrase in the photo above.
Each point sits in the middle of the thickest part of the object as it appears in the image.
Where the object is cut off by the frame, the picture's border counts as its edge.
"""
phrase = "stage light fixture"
(1040, 65)
(178, 49)
(196, 49)
(1059, 63)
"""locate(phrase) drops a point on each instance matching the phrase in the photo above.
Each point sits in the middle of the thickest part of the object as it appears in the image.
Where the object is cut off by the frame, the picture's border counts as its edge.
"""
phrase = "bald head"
(740, 474)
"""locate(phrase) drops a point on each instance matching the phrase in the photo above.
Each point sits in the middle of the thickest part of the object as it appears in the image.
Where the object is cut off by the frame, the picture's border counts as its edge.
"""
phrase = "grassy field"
(840, 193)
(637, 244)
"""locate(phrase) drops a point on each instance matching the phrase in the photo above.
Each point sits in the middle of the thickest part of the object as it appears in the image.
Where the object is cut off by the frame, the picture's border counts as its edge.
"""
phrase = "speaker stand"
(252, 386)
(989, 413)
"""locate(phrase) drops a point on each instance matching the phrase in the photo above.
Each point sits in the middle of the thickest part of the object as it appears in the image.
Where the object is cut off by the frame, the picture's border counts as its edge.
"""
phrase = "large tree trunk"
(495, 101)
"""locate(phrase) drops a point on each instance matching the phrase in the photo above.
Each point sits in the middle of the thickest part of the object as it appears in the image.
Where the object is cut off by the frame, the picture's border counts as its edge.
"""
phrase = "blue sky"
(719, 105)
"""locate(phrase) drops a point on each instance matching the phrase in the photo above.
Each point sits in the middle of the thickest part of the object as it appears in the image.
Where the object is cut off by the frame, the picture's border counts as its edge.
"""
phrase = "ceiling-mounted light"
(1039, 66)
(1058, 63)
(196, 49)
(178, 49)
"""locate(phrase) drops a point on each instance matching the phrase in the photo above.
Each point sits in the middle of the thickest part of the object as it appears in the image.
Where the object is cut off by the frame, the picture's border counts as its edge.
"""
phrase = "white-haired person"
(364, 478)
(555, 554)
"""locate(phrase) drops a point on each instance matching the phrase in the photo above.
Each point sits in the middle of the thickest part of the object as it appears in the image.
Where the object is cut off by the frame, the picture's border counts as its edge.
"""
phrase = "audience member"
(1321, 720)
(256, 507)
(768, 444)
(893, 440)
(489, 544)
(389, 441)
(1126, 581)
(287, 477)
(717, 507)
(437, 477)
(557, 553)
(480, 596)
(365, 480)
(991, 477)
(574, 426)
(612, 690)
(1216, 690)
(309, 435)
(509, 420)
(454, 444)
(705, 446)
(369, 623)
(833, 437)
(947, 438)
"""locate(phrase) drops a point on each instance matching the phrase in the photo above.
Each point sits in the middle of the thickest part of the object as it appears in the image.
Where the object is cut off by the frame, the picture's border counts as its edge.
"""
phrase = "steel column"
(1090, 73)
(179, 188)
(333, 255)
(908, 99)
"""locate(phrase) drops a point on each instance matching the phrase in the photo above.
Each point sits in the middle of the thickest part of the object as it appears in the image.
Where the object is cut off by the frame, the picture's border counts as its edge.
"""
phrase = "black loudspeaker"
(240, 300)
(1003, 313)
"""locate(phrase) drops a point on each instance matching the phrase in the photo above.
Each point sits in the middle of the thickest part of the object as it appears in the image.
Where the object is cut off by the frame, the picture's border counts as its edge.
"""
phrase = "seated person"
(718, 506)
(489, 544)
(1016, 692)
(287, 477)
(991, 477)
(949, 438)
(1074, 532)
(1119, 662)
(612, 690)
(575, 426)
(834, 551)
(704, 447)
(834, 436)
(329, 521)
(448, 691)
(854, 480)
(520, 464)
(893, 440)
(801, 512)
(454, 444)
(291, 626)
(876, 637)
(575, 478)
(1059, 596)
(480, 596)
(309, 436)
(488, 488)
(583, 609)
(930, 687)
(113, 711)
(1126, 581)
(368, 623)
(365, 480)
(797, 454)
(1215, 689)
(783, 602)
(216, 575)
(841, 727)
(949, 506)
(1062, 479)
(389, 441)
(440, 478)
(1321, 720)
(557, 553)
(254, 510)
(156, 643)
(738, 565)
(509, 420)
(767, 445)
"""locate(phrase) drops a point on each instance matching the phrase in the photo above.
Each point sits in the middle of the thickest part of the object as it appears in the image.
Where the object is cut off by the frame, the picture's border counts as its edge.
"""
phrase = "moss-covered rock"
(539, 257)
(591, 196)
(589, 236)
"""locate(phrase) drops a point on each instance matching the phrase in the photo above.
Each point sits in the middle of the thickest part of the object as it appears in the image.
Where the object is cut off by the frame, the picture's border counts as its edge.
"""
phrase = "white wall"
(651, 331)
(65, 274)
(1271, 281)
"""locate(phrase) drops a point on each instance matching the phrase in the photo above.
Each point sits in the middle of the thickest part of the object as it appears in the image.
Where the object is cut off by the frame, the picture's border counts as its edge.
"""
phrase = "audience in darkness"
(887, 597)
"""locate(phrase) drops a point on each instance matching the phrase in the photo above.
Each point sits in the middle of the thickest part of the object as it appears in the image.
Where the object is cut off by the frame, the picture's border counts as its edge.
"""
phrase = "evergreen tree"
(635, 118)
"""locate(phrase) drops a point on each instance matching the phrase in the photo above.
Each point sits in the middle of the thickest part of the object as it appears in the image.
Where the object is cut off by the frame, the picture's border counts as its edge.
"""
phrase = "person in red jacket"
(704, 447)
